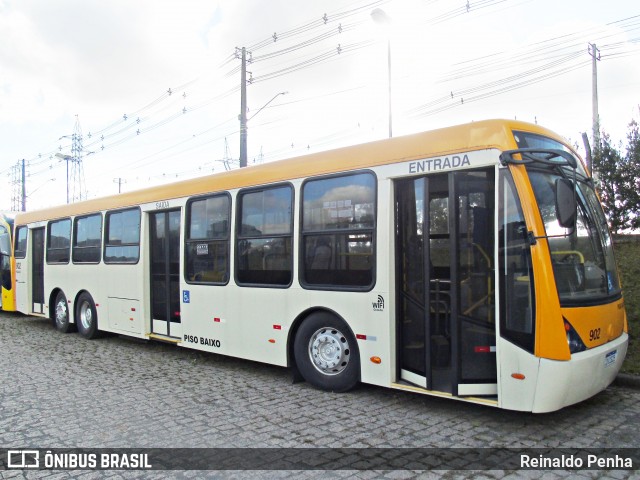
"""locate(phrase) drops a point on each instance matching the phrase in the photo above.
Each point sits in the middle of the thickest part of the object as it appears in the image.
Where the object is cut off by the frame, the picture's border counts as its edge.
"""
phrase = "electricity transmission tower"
(18, 187)
(229, 162)
(77, 172)
(259, 160)
(76, 190)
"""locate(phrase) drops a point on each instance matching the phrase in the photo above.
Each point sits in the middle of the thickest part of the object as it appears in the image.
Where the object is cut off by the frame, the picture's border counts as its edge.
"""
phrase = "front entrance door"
(445, 282)
(164, 231)
(37, 270)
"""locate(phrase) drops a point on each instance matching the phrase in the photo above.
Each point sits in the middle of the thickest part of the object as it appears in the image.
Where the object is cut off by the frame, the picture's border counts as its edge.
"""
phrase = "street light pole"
(263, 107)
(66, 158)
(380, 17)
(244, 129)
(389, 76)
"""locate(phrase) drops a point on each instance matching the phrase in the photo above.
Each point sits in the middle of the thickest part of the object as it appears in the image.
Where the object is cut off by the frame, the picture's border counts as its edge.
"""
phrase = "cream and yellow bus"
(471, 262)
(7, 269)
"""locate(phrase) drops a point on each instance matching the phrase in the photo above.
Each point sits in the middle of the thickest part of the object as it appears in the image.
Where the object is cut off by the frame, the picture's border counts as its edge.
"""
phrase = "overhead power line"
(322, 40)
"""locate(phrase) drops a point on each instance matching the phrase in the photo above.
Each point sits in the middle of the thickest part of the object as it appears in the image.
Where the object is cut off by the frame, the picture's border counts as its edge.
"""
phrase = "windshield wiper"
(545, 156)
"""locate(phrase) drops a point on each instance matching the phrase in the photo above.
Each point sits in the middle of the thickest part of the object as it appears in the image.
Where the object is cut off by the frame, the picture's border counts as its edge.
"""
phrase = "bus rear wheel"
(61, 314)
(326, 353)
(87, 317)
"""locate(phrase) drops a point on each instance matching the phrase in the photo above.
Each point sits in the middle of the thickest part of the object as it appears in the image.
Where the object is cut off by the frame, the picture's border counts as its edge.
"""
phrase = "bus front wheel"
(61, 314)
(326, 353)
(87, 317)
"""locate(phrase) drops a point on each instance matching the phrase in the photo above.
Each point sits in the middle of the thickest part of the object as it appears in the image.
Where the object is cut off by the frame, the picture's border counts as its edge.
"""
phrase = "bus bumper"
(564, 383)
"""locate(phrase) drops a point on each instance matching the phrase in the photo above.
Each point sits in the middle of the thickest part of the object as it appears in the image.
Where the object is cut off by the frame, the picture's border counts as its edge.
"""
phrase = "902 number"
(594, 334)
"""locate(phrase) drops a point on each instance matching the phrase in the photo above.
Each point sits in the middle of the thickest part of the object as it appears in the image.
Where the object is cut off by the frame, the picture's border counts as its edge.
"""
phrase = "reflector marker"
(371, 338)
(219, 320)
(277, 327)
(484, 349)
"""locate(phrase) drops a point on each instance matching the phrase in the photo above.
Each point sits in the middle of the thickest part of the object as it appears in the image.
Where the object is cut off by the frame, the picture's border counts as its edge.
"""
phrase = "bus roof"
(457, 139)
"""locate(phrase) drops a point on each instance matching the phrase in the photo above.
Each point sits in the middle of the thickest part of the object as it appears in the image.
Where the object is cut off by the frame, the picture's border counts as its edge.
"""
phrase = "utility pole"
(243, 109)
(595, 56)
(119, 181)
(243, 105)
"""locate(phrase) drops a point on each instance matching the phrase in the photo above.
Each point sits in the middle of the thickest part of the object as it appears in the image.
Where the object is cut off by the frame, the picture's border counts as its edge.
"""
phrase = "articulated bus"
(7, 298)
(471, 262)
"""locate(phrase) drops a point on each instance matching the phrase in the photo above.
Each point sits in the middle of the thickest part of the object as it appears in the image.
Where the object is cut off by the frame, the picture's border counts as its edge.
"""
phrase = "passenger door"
(164, 231)
(445, 282)
(37, 270)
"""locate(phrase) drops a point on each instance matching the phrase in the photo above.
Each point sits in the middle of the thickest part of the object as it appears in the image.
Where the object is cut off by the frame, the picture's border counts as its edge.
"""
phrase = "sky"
(152, 87)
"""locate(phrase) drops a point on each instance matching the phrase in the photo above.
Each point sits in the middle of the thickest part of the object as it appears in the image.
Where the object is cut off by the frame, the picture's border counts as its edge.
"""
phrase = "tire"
(326, 353)
(87, 317)
(60, 315)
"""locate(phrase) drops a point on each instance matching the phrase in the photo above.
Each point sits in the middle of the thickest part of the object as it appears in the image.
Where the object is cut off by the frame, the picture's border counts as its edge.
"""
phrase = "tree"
(618, 180)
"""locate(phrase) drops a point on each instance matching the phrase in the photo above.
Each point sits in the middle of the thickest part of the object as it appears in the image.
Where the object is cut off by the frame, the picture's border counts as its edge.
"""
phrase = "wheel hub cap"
(85, 315)
(329, 351)
(61, 312)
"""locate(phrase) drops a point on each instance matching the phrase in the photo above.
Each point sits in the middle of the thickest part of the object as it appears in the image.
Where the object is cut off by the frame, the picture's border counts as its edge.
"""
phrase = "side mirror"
(566, 208)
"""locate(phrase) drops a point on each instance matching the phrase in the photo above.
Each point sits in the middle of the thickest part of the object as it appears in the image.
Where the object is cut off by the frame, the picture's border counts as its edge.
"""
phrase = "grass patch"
(628, 257)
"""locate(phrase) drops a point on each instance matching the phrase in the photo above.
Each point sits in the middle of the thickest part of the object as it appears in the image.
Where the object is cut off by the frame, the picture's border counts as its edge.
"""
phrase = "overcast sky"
(154, 84)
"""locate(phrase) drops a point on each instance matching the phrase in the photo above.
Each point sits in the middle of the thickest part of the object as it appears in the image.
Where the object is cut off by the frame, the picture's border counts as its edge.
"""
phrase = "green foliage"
(628, 257)
(618, 180)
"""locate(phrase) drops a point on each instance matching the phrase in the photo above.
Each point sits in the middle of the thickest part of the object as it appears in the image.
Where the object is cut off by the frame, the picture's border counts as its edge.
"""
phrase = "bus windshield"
(582, 257)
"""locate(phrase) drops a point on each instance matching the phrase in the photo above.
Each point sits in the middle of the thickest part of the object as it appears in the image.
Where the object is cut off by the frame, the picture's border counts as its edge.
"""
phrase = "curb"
(627, 380)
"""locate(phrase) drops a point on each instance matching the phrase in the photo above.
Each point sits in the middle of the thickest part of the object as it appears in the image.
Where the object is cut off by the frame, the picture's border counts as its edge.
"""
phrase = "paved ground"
(60, 391)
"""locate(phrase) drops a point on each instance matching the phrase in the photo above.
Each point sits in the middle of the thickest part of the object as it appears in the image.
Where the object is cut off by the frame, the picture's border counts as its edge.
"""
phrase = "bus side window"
(264, 253)
(87, 239)
(20, 250)
(338, 226)
(207, 240)
(122, 237)
(59, 241)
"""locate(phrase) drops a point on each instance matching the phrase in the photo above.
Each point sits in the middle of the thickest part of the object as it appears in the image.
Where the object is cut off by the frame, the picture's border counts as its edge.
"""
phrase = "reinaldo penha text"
(574, 461)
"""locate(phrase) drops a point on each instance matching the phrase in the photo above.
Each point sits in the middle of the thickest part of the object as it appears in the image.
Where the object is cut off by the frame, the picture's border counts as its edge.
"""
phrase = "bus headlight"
(573, 339)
